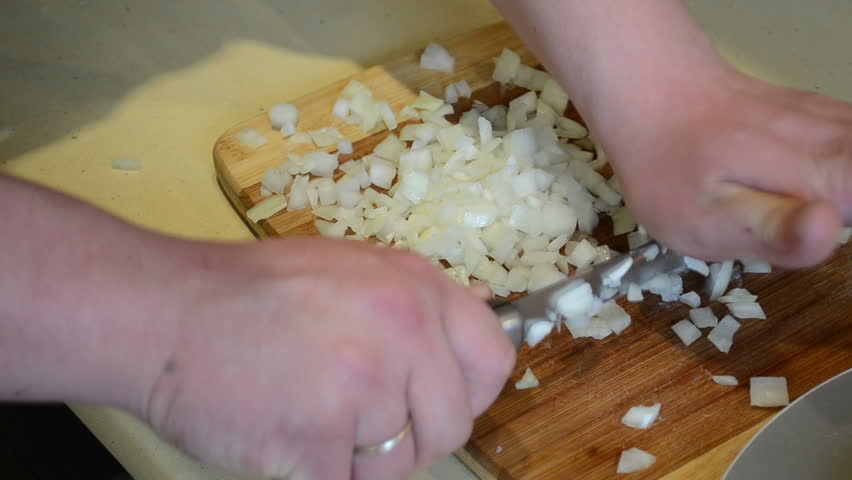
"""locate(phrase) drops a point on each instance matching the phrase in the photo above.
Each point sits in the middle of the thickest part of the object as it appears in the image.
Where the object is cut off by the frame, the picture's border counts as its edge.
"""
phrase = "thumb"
(784, 230)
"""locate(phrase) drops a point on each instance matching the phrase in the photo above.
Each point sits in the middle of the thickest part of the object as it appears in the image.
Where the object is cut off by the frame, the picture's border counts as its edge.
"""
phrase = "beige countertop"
(84, 82)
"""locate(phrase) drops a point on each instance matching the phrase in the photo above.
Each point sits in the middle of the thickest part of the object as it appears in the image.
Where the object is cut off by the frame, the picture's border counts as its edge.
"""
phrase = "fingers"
(484, 351)
(783, 230)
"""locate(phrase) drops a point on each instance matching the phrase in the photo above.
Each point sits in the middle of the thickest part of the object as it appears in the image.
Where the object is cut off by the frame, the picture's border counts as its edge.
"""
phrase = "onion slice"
(769, 392)
(642, 417)
(635, 460)
(527, 381)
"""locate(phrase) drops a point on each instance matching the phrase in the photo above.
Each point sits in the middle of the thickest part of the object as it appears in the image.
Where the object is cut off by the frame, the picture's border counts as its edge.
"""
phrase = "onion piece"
(635, 460)
(720, 277)
(537, 331)
(437, 58)
(726, 380)
(634, 293)
(696, 265)
(745, 310)
(687, 332)
(752, 266)
(642, 417)
(703, 317)
(691, 298)
(251, 137)
(615, 317)
(282, 114)
(301, 137)
(722, 336)
(267, 208)
(506, 66)
(769, 392)
(527, 381)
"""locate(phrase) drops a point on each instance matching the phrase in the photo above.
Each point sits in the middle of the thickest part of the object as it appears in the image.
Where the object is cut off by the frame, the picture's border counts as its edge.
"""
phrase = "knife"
(608, 280)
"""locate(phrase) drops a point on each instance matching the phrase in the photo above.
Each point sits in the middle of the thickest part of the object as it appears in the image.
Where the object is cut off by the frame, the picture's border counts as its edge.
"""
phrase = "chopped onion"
(769, 392)
(282, 114)
(126, 164)
(634, 293)
(723, 334)
(720, 277)
(267, 208)
(642, 417)
(703, 317)
(697, 265)
(251, 137)
(463, 89)
(527, 381)
(301, 137)
(691, 298)
(506, 67)
(325, 137)
(746, 310)
(615, 317)
(687, 332)
(345, 147)
(635, 460)
(537, 331)
(436, 57)
(751, 266)
(726, 380)
(582, 255)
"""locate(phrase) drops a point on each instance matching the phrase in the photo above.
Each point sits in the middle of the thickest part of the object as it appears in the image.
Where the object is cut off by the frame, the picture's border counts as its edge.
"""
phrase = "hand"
(731, 167)
(297, 351)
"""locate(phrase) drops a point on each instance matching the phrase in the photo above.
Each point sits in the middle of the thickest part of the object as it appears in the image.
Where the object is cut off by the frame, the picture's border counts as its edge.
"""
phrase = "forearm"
(617, 58)
(84, 310)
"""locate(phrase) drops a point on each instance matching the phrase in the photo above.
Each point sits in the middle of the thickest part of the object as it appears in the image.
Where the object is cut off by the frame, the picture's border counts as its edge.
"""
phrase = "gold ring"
(387, 445)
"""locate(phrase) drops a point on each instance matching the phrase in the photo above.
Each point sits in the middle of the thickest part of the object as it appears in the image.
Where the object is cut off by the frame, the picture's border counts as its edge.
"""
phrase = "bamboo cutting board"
(569, 427)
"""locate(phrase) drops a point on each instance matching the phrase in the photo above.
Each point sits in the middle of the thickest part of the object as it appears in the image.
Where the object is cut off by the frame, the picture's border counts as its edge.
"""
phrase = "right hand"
(294, 352)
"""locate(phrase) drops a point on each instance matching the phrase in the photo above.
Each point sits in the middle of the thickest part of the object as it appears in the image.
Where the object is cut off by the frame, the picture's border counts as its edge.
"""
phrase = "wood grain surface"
(569, 427)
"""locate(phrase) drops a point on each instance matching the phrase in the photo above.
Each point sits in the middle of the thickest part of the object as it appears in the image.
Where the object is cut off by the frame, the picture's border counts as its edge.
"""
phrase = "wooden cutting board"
(569, 427)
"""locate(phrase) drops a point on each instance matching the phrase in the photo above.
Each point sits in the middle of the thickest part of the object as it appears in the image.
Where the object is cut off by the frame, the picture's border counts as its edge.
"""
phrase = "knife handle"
(510, 319)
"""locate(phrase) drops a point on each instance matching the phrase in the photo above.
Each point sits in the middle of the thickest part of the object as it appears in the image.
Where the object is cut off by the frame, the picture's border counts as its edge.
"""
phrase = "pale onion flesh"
(769, 392)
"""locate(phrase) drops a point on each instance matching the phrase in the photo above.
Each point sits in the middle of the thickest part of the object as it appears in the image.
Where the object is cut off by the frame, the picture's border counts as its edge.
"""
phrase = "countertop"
(84, 82)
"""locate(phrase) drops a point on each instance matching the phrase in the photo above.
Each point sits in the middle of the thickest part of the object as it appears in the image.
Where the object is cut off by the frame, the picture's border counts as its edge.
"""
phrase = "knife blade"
(608, 280)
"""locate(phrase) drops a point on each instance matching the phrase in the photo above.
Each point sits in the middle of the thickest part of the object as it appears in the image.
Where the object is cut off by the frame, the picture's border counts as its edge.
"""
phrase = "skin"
(279, 357)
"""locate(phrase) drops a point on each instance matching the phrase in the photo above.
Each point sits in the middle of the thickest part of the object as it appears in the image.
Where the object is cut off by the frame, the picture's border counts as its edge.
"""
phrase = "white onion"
(436, 57)
(325, 137)
(634, 293)
(686, 331)
(642, 417)
(751, 266)
(697, 265)
(720, 277)
(769, 392)
(722, 336)
(746, 310)
(726, 380)
(703, 317)
(615, 317)
(251, 137)
(300, 137)
(281, 114)
(691, 298)
(506, 67)
(537, 331)
(635, 460)
(267, 208)
(582, 255)
(345, 147)
(527, 381)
